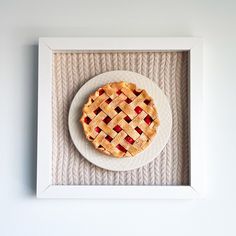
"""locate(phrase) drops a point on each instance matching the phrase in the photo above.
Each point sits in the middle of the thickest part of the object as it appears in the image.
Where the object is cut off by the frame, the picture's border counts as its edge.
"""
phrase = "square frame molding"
(48, 46)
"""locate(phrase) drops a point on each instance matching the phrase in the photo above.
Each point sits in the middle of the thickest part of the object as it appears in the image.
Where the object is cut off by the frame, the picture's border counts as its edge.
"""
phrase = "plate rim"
(98, 153)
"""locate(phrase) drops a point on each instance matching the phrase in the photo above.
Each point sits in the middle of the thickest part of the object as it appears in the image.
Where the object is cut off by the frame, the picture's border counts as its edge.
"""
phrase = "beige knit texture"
(168, 69)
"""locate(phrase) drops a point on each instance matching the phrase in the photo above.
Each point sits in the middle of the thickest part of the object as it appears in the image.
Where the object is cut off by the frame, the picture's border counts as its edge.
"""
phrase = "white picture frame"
(45, 188)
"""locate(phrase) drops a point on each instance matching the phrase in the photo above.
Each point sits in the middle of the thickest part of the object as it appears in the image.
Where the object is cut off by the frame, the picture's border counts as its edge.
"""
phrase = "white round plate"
(87, 149)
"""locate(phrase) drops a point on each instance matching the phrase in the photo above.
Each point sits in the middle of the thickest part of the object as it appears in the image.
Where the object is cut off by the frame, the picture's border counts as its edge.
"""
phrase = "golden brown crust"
(108, 108)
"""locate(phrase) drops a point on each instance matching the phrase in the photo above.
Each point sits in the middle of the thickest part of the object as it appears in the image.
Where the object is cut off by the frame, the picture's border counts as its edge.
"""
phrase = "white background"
(21, 23)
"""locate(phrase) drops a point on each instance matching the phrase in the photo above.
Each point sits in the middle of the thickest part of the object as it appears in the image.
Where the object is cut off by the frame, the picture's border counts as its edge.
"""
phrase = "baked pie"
(120, 119)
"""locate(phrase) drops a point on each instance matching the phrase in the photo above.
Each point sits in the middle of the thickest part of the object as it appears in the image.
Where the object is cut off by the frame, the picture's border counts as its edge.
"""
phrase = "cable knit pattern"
(174, 138)
(185, 104)
(59, 126)
(179, 163)
(71, 157)
(167, 86)
(55, 138)
(168, 69)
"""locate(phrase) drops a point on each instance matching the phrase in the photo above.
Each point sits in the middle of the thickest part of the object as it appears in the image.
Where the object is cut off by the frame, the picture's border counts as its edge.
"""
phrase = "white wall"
(22, 22)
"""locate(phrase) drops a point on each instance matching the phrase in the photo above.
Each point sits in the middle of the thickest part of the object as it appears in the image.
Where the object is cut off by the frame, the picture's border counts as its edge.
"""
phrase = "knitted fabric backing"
(168, 69)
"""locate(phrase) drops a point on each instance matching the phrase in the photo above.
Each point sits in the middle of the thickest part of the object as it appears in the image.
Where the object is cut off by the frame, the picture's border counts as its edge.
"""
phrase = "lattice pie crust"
(120, 119)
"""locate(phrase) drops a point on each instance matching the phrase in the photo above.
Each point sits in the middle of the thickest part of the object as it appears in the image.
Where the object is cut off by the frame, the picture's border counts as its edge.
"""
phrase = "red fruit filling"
(148, 119)
(108, 100)
(118, 110)
(117, 128)
(146, 101)
(101, 91)
(138, 130)
(128, 100)
(118, 92)
(138, 109)
(127, 119)
(97, 110)
(109, 138)
(121, 148)
(136, 92)
(87, 120)
(129, 139)
(107, 119)
(97, 129)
